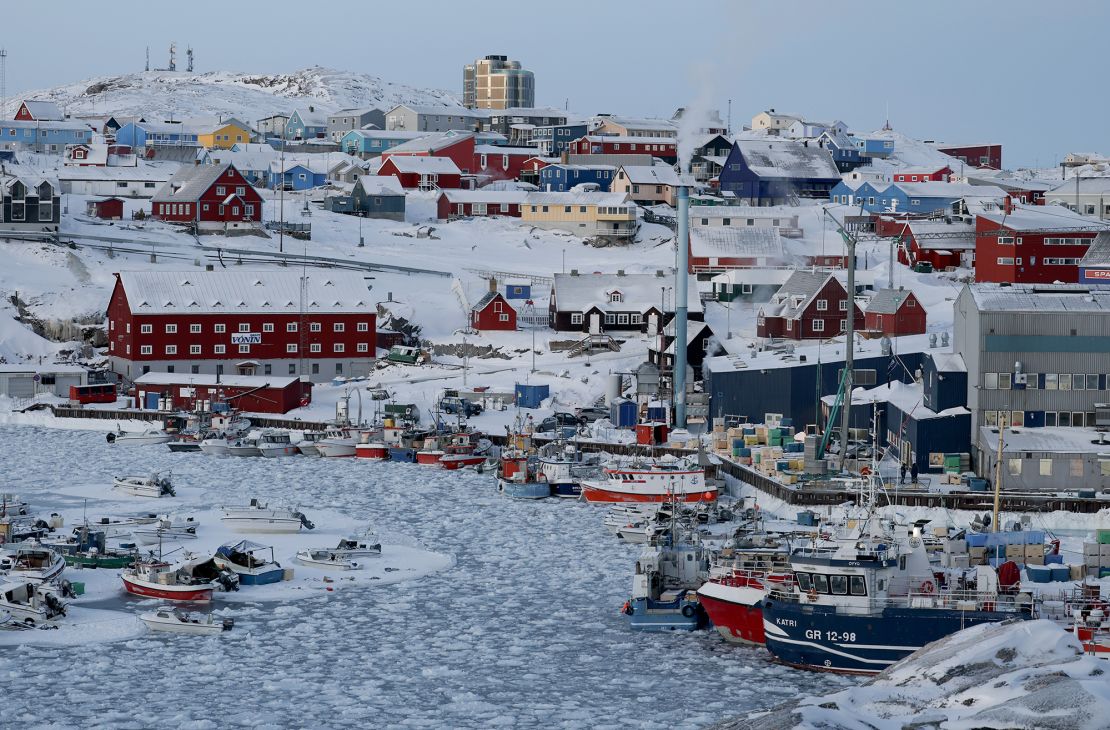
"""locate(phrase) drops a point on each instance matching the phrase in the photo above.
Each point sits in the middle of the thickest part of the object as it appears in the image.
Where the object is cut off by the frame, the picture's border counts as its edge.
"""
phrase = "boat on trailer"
(176, 621)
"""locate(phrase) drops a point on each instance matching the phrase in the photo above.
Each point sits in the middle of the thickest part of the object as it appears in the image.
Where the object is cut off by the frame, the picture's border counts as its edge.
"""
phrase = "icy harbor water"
(522, 630)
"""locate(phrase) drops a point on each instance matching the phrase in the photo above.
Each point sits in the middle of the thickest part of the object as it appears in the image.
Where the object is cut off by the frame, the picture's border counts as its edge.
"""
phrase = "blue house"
(367, 143)
(846, 156)
(873, 147)
(45, 136)
(912, 198)
(872, 195)
(560, 178)
(306, 124)
(141, 134)
(297, 175)
(776, 172)
(518, 289)
(555, 139)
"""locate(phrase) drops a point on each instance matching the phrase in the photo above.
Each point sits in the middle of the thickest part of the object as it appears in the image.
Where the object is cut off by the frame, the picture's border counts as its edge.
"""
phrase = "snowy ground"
(523, 630)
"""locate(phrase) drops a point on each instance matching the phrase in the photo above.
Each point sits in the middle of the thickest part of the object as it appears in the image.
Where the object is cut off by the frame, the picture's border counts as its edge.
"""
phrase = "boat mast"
(997, 478)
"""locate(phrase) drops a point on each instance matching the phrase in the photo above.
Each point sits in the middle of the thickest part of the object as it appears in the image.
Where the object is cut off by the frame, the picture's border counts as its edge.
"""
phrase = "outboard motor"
(305, 521)
(110, 438)
(56, 606)
(228, 580)
(67, 591)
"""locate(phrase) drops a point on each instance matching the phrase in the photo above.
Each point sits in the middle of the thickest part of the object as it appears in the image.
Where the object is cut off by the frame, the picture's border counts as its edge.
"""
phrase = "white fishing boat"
(243, 447)
(151, 486)
(138, 438)
(274, 443)
(353, 547)
(30, 603)
(326, 559)
(653, 480)
(307, 444)
(257, 517)
(215, 443)
(166, 530)
(337, 442)
(181, 622)
(31, 560)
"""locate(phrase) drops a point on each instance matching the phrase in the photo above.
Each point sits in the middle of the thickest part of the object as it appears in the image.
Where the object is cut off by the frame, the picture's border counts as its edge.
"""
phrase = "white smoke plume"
(698, 113)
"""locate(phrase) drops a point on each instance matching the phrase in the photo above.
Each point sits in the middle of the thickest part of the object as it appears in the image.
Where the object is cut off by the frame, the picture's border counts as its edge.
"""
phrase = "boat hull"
(272, 452)
(183, 446)
(452, 462)
(244, 451)
(524, 490)
(600, 492)
(260, 577)
(335, 450)
(429, 458)
(682, 614)
(817, 637)
(735, 612)
(262, 524)
(372, 451)
(214, 448)
(402, 454)
(567, 490)
(194, 594)
(99, 561)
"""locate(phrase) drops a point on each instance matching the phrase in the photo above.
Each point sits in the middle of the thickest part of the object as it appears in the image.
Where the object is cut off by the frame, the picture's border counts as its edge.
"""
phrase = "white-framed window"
(244, 349)
(576, 318)
(363, 347)
(843, 305)
(194, 329)
(290, 326)
(363, 327)
(314, 327)
(244, 327)
(339, 347)
(146, 350)
(616, 297)
(171, 349)
(818, 325)
(637, 318)
(503, 317)
(822, 305)
(146, 329)
(291, 347)
(339, 327)
(622, 318)
(220, 349)
(220, 329)
(171, 329)
(610, 318)
(194, 349)
(267, 326)
(314, 347)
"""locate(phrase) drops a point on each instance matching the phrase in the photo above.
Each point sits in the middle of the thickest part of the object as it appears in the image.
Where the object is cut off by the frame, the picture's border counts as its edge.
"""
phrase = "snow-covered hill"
(160, 95)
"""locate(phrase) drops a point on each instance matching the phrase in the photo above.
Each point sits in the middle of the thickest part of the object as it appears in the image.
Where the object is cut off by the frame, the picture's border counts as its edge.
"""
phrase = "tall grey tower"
(495, 82)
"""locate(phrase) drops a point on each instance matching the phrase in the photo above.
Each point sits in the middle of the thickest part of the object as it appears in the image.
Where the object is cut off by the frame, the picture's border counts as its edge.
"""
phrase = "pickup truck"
(453, 405)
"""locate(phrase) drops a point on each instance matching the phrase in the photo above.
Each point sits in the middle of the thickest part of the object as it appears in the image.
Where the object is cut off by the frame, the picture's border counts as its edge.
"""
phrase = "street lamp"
(361, 242)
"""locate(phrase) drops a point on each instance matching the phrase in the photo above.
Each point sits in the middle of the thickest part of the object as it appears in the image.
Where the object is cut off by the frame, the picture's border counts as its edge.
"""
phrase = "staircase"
(590, 343)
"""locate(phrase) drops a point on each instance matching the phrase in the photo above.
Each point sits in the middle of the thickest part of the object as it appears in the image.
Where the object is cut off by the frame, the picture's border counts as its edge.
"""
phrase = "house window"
(622, 318)
(818, 325)
(194, 349)
(610, 318)
(290, 326)
(220, 349)
(244, 327)
(315, 347)
(363, 347)
(194, 329)
(244, 349)
(220, 329)
(637, 318)
(822, 305)
(146, 329)
(339, 327)
(990, 381)
(291, 347)
(843, 305)
(146, 350)
(363, 327)
(292, 368)
(576, 318)
(615, 297)
(268, 327)
(314, 327)
(221, 190)
(339, 347)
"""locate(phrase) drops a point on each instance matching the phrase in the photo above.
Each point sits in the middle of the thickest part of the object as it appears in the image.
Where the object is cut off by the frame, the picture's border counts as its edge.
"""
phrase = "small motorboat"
(244, 447)
(87, 548)
(372, 450)
(138, 438)
(30, 603)
(151, 486)
(214, 443)
(307, 444)
(352, 547)
(166, 530)
(326, 559)
(337, 442)
(195, 580)
(257, 517)
(247, 560)
(274, 443)
(185, 443)
(31, 560)
(176, 621)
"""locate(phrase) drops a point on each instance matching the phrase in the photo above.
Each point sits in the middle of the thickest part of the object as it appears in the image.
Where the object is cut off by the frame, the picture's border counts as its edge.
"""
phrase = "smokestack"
(681, 282)
(1008, 205)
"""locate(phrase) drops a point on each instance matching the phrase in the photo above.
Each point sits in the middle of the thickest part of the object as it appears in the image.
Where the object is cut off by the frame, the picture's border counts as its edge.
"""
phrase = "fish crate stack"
(1096, 555)
(770, 450)
(1024, 547)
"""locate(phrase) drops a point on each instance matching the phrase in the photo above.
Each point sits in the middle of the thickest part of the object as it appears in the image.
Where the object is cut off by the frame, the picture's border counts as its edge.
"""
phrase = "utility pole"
(148, 58)
(3, 78)
(281, 195)
(682, 281)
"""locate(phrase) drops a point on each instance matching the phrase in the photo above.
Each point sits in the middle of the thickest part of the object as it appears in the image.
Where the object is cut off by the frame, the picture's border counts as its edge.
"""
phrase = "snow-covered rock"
(1029, 674)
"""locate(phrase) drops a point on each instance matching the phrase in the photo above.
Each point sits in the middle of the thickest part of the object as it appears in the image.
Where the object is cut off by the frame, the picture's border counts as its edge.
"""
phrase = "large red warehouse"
(242, 322)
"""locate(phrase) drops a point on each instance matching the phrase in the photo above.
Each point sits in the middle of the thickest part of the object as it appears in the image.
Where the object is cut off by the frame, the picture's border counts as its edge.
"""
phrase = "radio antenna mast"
(3, 79)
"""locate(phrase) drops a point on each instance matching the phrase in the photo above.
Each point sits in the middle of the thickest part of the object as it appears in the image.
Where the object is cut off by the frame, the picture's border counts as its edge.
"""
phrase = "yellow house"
(224, 136)
(587, 214)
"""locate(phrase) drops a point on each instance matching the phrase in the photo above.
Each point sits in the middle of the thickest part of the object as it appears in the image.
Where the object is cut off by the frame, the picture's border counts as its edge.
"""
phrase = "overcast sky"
(1027, 73)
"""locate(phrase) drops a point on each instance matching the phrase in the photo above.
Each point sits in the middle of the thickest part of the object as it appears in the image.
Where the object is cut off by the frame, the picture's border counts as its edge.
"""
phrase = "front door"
(595, 324)
(653, 325)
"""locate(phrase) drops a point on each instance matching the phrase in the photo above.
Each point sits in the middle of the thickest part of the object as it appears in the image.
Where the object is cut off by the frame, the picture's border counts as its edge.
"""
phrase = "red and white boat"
(464, 449)
(429, 457)
(372, 450)
(662, 480)
(194, 580)
(732, 602)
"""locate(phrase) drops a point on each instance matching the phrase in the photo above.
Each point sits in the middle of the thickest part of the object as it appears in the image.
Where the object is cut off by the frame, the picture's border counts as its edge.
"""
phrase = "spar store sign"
(246, 338)
(1102, 276)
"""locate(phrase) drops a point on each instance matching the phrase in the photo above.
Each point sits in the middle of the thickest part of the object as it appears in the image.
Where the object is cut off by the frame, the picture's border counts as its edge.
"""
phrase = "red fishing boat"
(658, 480)
(372, 450)
(195, 580)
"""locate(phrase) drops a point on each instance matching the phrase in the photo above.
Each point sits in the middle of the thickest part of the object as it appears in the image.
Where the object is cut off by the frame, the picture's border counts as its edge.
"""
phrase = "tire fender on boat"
(688, 611)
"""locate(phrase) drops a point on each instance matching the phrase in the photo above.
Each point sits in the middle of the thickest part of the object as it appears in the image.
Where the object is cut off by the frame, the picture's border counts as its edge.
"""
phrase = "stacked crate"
(1096, 555)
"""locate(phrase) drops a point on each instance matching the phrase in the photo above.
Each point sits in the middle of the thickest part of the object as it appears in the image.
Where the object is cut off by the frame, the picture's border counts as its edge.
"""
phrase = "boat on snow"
(138, 438)
(168, 530)
(257, 517)
(248, 560)
(87, 548)
(194, 580)
(353, 547)
(30, 603)
(326, 559)
(176, 621)
(150, 486)
(31, 560)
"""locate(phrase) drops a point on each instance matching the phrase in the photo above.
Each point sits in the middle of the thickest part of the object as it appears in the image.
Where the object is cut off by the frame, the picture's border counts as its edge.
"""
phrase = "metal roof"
(1039, 298)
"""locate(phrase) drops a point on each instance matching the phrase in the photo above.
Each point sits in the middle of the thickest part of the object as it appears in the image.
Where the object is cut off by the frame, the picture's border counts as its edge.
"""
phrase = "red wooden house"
(214, 197)
(895, 312)
(1022, 244)
(250, 393)
(423, 173)
(463, 203)
(109, 209)
(987, 155)
(455, 146)
(39, 111)
(493, 312)
(501, 163)
(809, 305)
(665, 148)
(923, 174)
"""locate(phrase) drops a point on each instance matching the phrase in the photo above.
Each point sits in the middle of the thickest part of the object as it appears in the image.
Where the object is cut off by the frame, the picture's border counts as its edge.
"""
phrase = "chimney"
(493, 283)
(311, 108)
(620, 272)
(1008, 205)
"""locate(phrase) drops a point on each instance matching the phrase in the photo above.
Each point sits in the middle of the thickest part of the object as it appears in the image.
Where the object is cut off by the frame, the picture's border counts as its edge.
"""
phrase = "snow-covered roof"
(168, 128)
(921, 170)
(922, 229)
(754, 276)
(639, 292)
(145, 172)
(787, 159)
(423, 165)
(795, 294)
(756, 242)
(1050, 439)
(353, 112)
(453, 111)
(189, 183)
(577, 197)
(743, 211)
(622, 139)
(1098, 253)
(380, 185)
(65, 124)
(231, 381)
(44, 110)
(258, 157)
(228, 292)
(1039, 298)
(887, 301)
(515, 197)
(312, 118)
(1087, 186)
(590, 168)
(906, 397)
(388, 134)
(30, 367)
(651, 175)
(428, 143)
(948, 362)
(934, 189)
(645, 123)
(1047, 217)
(491, 149)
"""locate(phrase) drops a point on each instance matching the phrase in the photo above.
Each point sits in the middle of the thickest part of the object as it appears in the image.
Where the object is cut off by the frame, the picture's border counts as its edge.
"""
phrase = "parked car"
(589, 414)
(560, 420)
(453, 405)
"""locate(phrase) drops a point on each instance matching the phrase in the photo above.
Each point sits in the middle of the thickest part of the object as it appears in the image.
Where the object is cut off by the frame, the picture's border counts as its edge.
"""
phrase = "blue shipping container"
(531, 396)
(622, 412)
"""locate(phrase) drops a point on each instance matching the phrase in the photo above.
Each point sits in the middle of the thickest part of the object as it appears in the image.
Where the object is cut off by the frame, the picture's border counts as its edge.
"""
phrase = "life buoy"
(864, 470)
(928, 587)
(626, 609)
(688, 611)
(709, 495)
